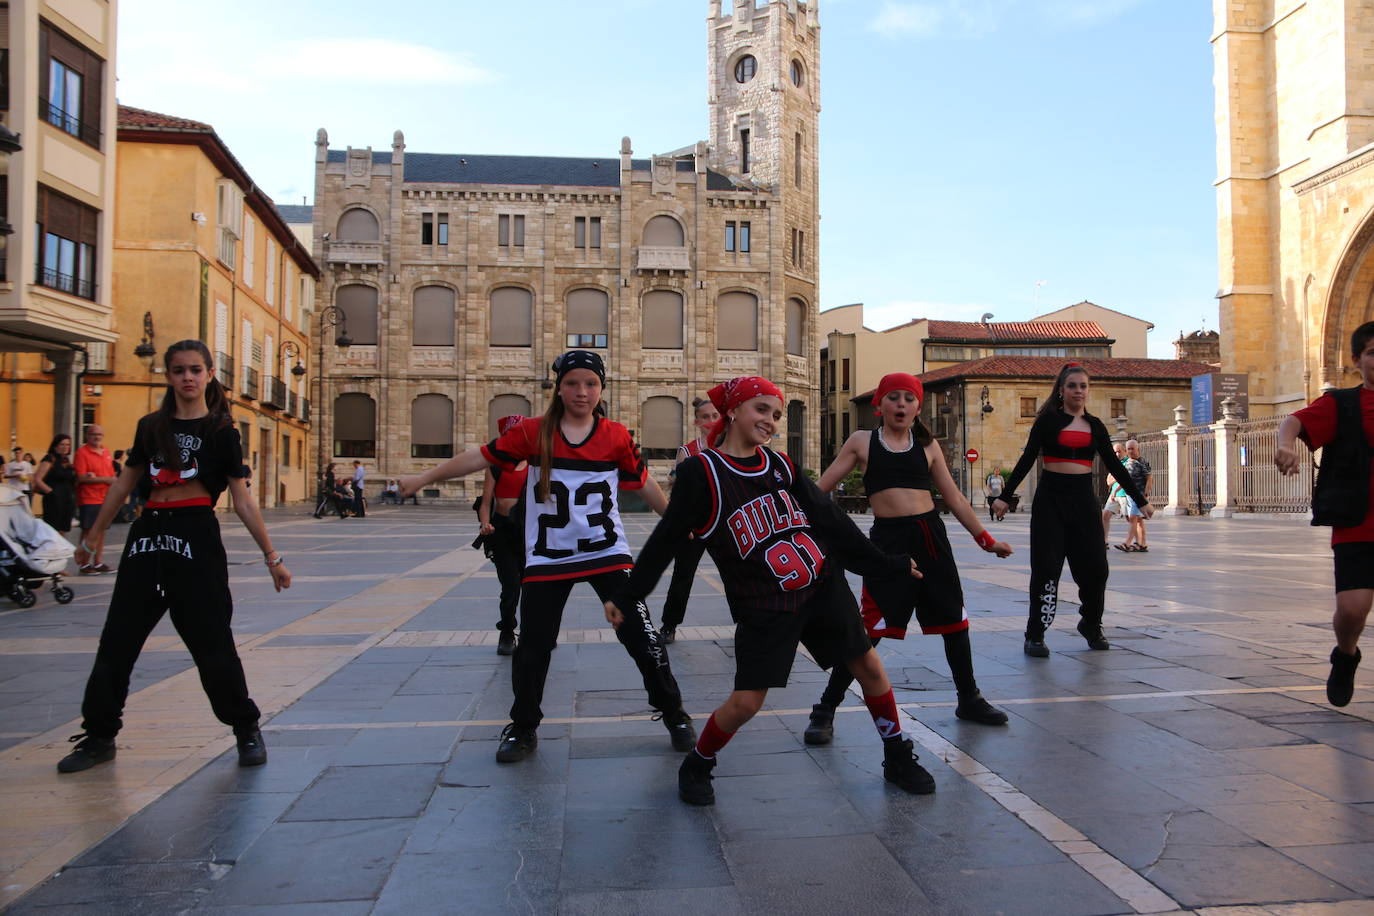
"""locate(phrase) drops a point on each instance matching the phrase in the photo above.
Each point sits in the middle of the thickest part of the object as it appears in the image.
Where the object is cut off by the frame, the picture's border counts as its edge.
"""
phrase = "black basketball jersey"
(760, 538)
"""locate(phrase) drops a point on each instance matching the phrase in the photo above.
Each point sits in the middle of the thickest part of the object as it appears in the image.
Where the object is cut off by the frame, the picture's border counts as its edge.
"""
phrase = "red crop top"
(1075, 438)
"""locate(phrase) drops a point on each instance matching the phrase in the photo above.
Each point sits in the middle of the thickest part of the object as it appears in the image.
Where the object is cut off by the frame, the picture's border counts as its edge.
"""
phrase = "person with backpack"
(1341, 424)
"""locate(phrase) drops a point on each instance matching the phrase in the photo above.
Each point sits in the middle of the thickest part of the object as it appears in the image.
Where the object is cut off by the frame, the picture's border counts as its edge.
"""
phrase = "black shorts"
(88, 515)
(1354, 565)
(828, 624)
(937, 598)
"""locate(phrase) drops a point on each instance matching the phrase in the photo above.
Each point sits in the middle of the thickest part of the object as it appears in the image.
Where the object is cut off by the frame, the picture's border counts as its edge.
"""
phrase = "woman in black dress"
(55, 479)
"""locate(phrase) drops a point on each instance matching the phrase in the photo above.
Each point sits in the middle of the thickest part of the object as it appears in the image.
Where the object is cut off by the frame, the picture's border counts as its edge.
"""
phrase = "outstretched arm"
(959, 505)
(459, 465)
(844, 462)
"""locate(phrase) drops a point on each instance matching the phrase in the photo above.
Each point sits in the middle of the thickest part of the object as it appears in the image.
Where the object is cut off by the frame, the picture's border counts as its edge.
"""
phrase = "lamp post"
(147, 352)
(328, 317)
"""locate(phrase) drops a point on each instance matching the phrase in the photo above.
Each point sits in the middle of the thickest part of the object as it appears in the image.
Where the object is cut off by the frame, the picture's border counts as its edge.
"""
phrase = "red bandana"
(731, 394)
(897, 381)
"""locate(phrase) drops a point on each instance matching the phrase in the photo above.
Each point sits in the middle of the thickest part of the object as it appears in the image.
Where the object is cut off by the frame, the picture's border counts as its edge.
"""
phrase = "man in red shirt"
(1353, 546)
(94, 473)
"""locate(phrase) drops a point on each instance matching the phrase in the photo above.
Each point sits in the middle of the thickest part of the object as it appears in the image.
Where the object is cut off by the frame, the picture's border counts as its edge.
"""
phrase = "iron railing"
(224, 369)
(291, 403)
(250, 383)
(1200, 449)
(274, 393)
(67, 283)
(1259, 485)
(70, 123)
(1154, 449)
(304, 415)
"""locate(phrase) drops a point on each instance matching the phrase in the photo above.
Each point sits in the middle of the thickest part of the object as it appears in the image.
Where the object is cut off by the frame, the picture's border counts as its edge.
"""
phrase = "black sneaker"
(694, 780)
(1094, 637)
(679, 726)
(821, 728)
(1340, 686)
(667, 635)
(517, 743)
(90, 751)
(975, 708)
(506, 644)
(1035, 647)
(252, 750)
(900, 767)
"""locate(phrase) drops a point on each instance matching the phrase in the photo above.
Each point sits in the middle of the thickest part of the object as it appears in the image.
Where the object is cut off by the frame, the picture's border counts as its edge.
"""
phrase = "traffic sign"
(971, 455)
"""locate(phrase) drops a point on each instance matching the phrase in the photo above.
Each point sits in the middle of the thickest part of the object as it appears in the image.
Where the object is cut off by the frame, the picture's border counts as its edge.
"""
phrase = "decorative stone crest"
(664, 172)
(359, 167)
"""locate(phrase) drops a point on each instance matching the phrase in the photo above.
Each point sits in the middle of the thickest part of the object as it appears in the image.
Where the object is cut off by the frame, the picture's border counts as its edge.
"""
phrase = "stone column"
(1178, 470)
(64, 415)
(1227, 471)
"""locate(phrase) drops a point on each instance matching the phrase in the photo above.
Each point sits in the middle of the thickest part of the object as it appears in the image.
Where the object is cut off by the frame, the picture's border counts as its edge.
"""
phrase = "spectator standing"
(1140, 472)
(55, 481)
(94, 473)
(1112, 507)
(19, 474)
(993, 490)
(359, 477)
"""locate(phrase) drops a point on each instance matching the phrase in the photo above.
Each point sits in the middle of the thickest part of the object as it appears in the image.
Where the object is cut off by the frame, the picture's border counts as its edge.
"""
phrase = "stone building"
(1295, 192)
(1201, 346)
(1128, 333)
(460, 277)
(57, 100)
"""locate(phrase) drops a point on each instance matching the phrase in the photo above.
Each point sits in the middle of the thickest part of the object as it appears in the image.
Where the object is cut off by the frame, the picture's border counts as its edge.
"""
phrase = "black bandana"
(579, 359)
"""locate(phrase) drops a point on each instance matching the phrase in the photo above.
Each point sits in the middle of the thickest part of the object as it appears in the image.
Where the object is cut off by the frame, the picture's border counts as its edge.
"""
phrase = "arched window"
(357, 225)
(432, 323)
(796, 327)
(797, 73)
(664, 232)
(505, 405)
(796, 431)
(661, 320)
(737, 321)
(512, 316)
(431, 427)
(355, 426)
(588, 314)
(359, 305)
(661, 432)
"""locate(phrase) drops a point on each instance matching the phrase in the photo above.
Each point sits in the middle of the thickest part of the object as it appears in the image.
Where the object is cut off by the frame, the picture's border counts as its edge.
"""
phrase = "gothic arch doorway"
(1349, 304)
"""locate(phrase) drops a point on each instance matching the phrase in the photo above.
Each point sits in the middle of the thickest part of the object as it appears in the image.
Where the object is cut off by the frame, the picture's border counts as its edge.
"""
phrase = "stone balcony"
(348, 252)
(662, 257)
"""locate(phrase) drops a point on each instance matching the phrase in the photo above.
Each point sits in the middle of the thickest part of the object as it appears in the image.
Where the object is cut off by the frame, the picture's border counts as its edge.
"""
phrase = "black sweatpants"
(685, 561)
(1066, 523)
(508, 556)
(173, 562)
(541, 614)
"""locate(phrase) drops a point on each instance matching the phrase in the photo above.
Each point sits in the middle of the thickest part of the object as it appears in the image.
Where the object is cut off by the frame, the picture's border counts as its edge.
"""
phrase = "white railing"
(1154, 449)
(1259, 485)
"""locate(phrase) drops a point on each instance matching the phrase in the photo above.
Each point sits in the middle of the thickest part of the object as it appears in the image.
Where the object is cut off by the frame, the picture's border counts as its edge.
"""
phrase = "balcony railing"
(224, 369)
(77, 286)
(662, 257)
(250, 383)
(65, 121)
(274, 393)
(292, 403)
(228, 247)
(349, 252)
(304, 415)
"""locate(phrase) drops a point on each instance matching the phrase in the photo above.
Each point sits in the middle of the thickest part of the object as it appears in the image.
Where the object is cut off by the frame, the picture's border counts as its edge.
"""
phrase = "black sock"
(959, 654)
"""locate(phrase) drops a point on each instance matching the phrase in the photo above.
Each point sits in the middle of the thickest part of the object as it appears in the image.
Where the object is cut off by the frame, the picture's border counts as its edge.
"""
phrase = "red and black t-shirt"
(208, 450)
(1319, 421)
(577, 533)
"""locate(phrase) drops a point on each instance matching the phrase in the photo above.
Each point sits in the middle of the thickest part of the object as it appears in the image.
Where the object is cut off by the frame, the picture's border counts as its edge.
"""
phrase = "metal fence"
(1259, 485)
(1154, 449)
(1200, 451)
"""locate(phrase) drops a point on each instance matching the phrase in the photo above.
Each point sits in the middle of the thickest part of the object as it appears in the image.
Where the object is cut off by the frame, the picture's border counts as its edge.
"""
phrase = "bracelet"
(985, 540)
(271, 562)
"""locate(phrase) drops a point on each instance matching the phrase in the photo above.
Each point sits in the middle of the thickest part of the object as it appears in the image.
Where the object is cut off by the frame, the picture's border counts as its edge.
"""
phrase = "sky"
(1003, 156)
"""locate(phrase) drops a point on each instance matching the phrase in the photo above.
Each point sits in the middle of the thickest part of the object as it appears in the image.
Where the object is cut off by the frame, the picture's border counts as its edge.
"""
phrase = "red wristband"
(985, 540)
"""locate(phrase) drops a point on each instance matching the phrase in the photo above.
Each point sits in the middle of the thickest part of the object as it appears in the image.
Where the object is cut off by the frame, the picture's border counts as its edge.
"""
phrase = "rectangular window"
(427, 229)
(844, 378)
(580, 232)
(822, 375)
(66, 240)
(744, 236)
(1118, 407)
(587, 340)
(801, 248)
(69, 85)
(510, 231)
(285, 450)
(269, 284)
(503, 231)
(796, 159)
(730, 235)
(832, 375)
(594, 232)
(587, 232)
(1028, 407)
(744, 151)
(248, 252)
(846, 423)
(443, 229)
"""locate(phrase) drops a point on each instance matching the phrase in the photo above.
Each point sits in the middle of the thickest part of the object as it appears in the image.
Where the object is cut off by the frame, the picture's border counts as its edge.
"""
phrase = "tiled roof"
(296, 213)
(1007, 331)
(138, 118)
(1047, 367)
(560, 171)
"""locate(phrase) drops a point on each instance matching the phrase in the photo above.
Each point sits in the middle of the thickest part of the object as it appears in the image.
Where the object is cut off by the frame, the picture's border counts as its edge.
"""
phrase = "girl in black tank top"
(901, 454)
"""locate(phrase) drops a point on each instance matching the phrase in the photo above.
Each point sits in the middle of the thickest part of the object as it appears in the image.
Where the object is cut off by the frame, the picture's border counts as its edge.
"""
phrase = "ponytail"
(552, 417)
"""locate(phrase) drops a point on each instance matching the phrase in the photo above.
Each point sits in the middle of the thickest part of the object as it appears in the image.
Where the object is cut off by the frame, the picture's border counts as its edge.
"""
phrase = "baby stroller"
(31, 551)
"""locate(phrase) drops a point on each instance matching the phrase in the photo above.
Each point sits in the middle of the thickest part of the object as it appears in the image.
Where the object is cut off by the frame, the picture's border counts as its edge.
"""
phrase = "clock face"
(745, 68)
(797, 76)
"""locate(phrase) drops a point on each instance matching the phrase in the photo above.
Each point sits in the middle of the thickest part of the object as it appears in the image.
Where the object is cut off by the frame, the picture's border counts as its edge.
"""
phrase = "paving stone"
(1213, 876)
(490, 817)
(718, 901)
(376, 746)
(124, 889)
(192, 823)
(1310, 823)
(1141, 840)
(1028, 890)
(805, 875)
(350, 793)
(1329, 771)
(475, 881)
(1347, 863)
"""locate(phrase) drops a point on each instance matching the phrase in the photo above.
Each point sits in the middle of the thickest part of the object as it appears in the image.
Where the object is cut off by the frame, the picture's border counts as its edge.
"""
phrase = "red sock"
(883, 709)
(712, 738)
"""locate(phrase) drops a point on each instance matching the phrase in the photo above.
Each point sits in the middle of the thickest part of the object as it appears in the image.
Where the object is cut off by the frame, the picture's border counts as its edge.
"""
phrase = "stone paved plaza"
(1195, 767)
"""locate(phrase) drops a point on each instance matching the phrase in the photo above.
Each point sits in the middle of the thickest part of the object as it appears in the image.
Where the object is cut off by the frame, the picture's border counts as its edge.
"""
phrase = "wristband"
(269, 562)
(985, 540)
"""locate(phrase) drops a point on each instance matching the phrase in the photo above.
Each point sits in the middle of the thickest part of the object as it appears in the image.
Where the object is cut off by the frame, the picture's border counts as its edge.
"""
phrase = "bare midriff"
(504, 504)
(1066, 467)
(191, 489)
(899, 501)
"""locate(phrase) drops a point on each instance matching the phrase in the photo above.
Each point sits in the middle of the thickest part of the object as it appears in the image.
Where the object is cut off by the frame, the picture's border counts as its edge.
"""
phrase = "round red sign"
(971, 455)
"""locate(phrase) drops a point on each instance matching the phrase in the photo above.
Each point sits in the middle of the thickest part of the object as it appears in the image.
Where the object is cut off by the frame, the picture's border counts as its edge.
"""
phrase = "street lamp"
(290, 348)
(145, 349)
(328, 317)
(983, 397)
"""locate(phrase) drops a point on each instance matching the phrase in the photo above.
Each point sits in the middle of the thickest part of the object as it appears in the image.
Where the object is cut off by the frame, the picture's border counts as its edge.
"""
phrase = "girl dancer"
(183, 457)
(777, 542)
(577, 460)
(901, 461)
(502, 519)
(1065, 520)
(690, 550)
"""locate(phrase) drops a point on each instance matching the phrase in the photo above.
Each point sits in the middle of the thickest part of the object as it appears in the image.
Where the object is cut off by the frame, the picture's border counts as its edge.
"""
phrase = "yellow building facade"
(1295, 192)
(200, 252)
(56, 197)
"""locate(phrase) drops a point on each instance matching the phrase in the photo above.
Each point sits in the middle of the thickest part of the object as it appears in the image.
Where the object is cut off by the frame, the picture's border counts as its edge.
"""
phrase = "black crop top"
(1044, 439)
(887, 470)
(210, 455)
